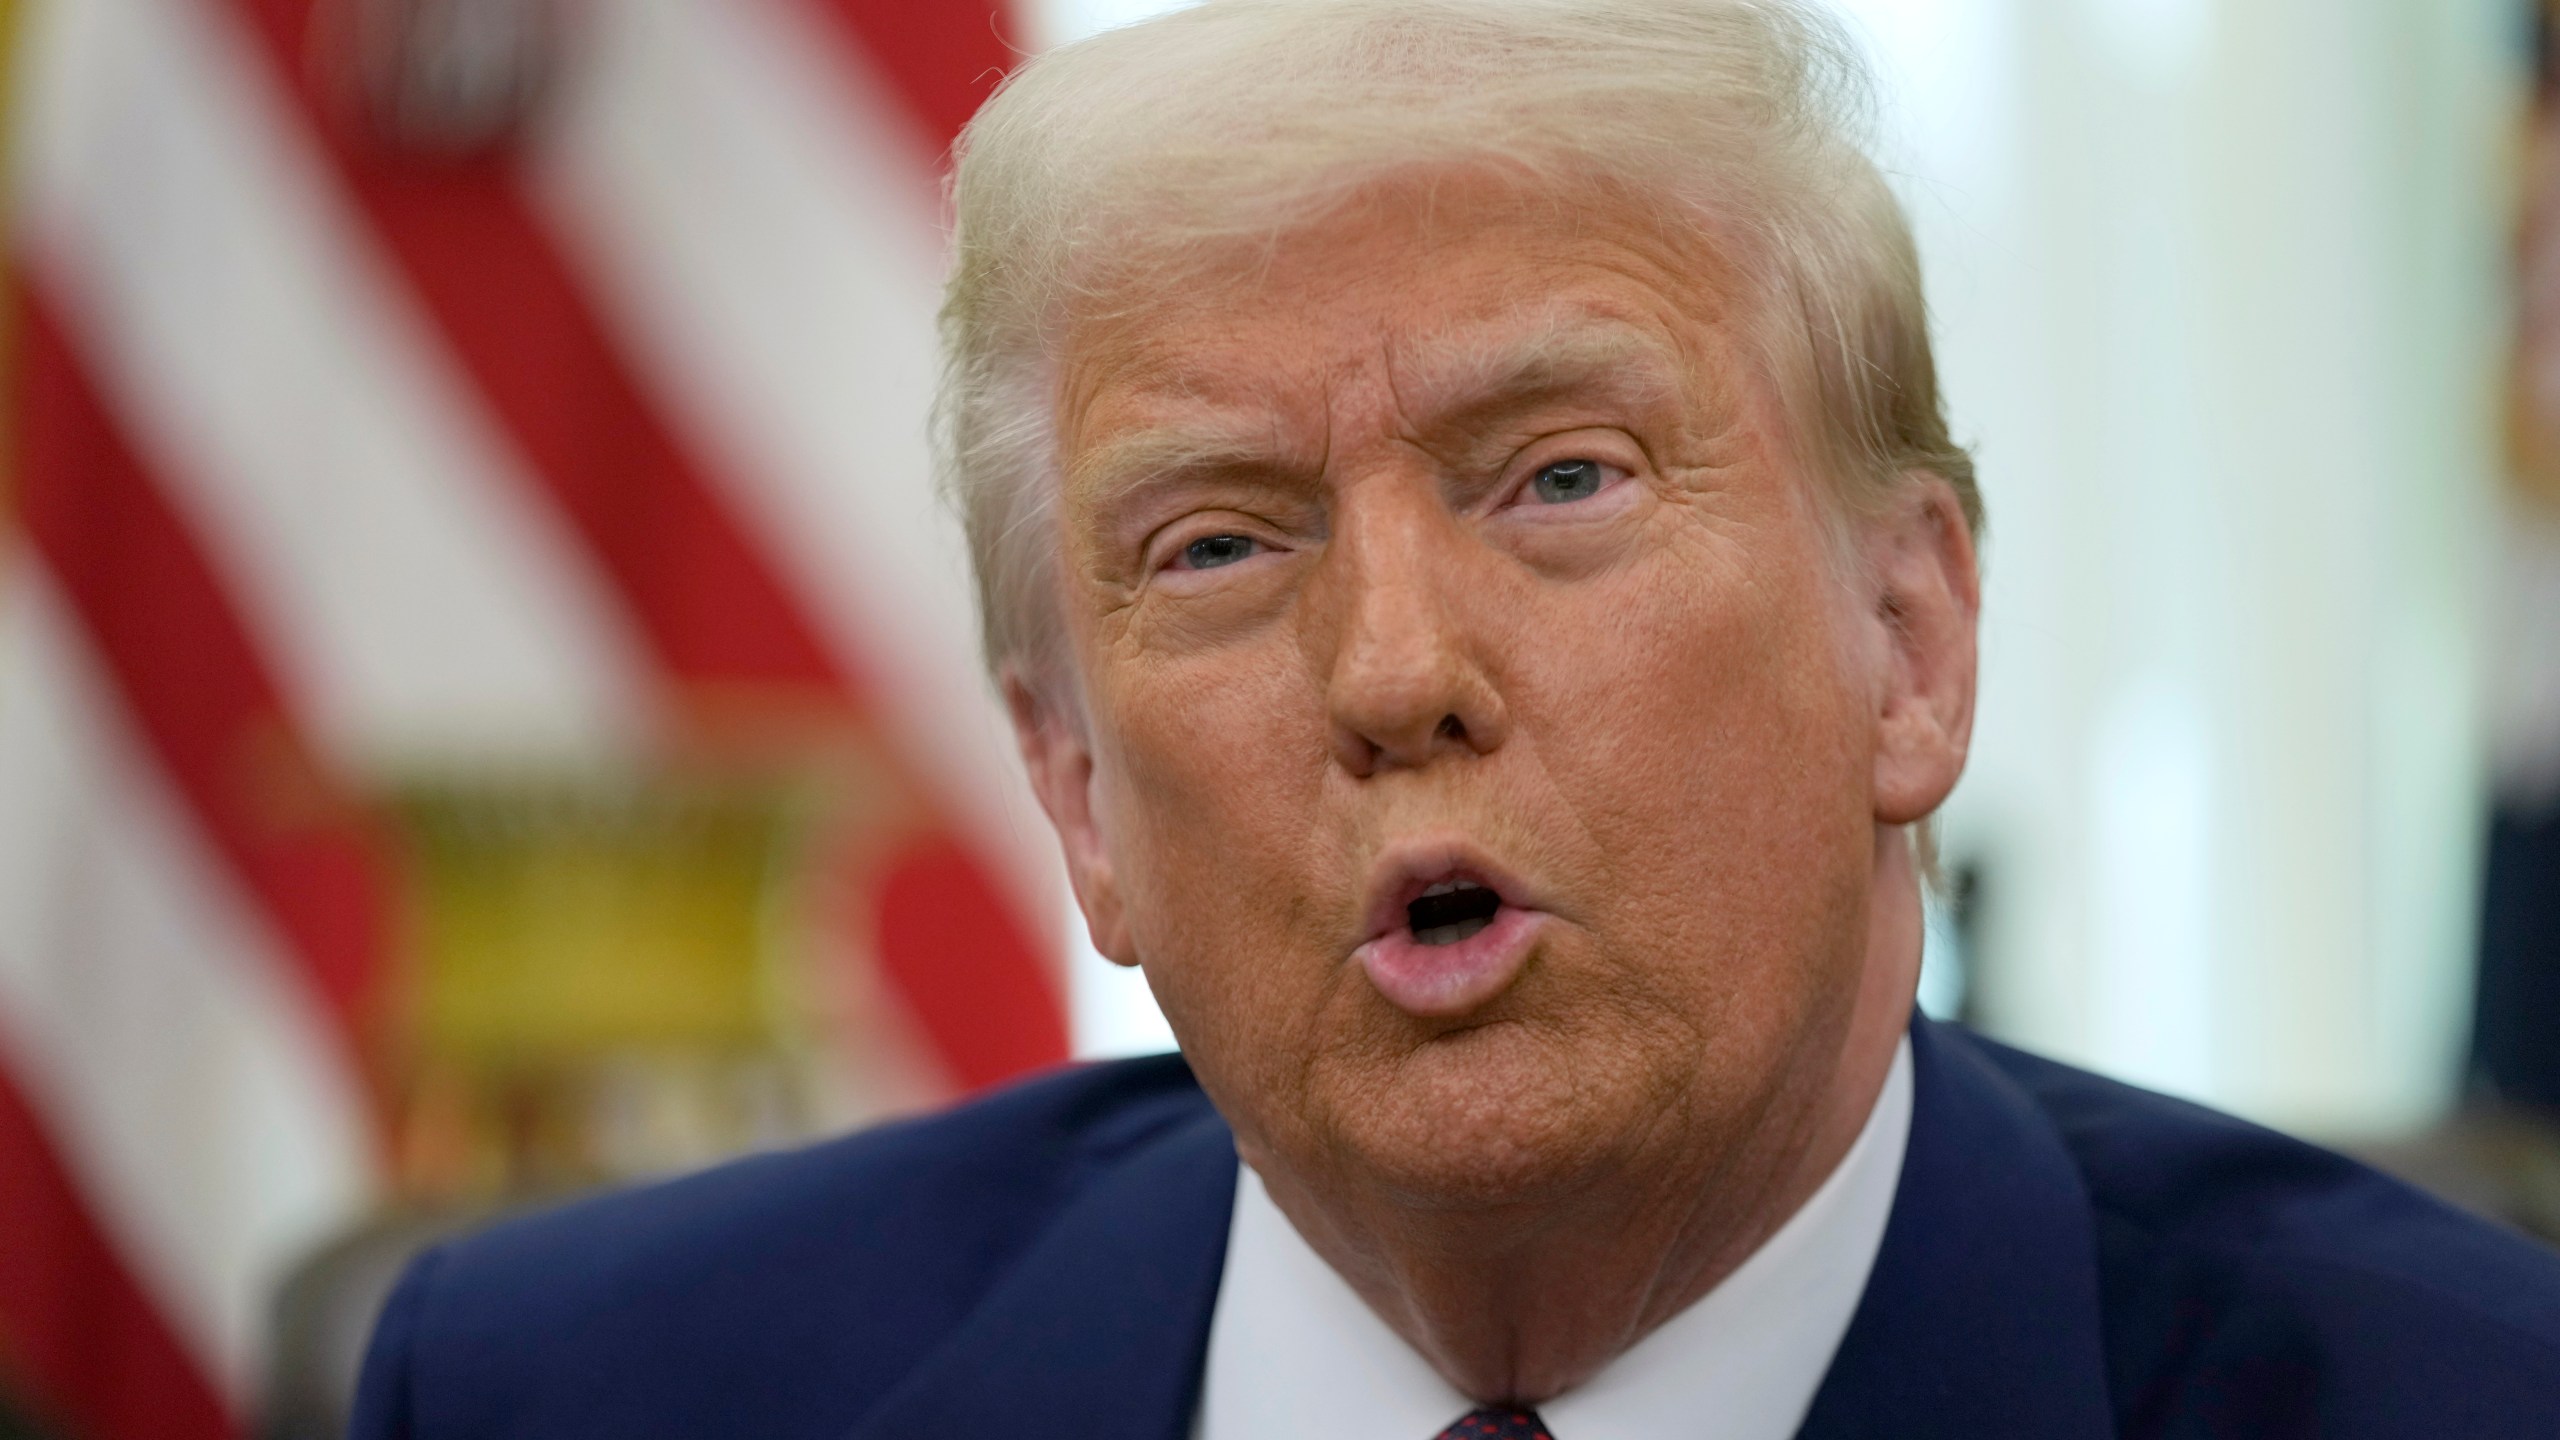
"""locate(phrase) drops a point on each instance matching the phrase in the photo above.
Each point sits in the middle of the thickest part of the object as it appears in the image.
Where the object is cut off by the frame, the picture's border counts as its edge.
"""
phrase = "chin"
(1481, 1119)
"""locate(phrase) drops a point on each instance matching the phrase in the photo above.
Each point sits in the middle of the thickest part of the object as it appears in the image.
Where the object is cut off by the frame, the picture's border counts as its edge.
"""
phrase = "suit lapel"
(1101, 1328)
(1981, 1319)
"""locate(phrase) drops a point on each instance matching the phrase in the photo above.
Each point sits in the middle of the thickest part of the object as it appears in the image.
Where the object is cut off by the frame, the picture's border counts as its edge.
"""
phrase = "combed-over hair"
(1131, 155)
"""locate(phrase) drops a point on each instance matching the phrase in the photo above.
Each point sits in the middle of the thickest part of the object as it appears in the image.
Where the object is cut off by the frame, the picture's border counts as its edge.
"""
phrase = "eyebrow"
(1189, 449)
(1570, 356)
(1162, 459)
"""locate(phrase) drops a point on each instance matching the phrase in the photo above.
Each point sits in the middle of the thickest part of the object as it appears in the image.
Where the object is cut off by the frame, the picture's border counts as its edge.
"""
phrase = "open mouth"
(1448, 929)
(1450, 911)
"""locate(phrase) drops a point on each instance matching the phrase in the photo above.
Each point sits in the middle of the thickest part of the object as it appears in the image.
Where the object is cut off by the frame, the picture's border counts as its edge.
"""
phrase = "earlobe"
(1928, 599)
(1058, 757)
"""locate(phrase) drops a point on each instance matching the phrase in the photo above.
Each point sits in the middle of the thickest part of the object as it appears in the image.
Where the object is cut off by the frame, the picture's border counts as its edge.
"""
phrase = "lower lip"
(1439, 981)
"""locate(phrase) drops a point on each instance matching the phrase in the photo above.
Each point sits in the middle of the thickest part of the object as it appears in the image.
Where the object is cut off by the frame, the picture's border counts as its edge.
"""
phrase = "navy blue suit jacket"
(2066, 1257)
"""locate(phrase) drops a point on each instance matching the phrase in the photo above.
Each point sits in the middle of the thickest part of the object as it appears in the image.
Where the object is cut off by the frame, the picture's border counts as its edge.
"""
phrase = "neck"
(1522, 1304)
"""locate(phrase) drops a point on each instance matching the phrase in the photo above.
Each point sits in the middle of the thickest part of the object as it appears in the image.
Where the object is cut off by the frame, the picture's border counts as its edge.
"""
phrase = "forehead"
(1409, 303)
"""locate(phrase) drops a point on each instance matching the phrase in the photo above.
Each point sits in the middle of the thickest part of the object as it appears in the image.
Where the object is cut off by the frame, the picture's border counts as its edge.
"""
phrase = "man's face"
(1464, 549)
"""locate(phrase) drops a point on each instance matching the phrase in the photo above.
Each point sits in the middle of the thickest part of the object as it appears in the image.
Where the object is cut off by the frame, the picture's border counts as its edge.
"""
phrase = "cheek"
(1720, 671)
(1211, 779)
(1704, 735)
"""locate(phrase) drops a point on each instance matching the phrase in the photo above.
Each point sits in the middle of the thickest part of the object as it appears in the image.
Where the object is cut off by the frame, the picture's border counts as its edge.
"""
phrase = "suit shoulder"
(978, 1165)
(2227, 1250)
(814, 1277)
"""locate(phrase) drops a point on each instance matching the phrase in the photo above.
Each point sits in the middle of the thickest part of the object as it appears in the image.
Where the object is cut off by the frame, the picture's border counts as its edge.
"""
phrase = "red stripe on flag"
(77, 1334)
(519, 323)
(936, 910)
(943, 57)
(190, 677)
(516, 320)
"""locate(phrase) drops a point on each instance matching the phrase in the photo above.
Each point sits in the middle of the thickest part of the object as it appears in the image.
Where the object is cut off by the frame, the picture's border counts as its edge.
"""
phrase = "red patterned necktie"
(1497, 1423)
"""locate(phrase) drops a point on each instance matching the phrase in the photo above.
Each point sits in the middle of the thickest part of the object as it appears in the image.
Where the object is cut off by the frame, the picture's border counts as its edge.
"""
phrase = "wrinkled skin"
(1683, 703)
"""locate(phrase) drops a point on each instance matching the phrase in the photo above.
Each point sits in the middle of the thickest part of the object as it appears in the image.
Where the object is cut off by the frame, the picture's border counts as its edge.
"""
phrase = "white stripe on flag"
(417, 600)
(143, 1011)
(763, 225)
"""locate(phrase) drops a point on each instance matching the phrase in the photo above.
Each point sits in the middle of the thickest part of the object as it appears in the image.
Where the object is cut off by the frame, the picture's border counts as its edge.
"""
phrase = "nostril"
(1452, 728)
(1357, 752)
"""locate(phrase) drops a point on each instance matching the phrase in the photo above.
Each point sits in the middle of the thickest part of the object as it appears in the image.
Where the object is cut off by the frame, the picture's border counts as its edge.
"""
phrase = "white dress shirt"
(1294, 1352)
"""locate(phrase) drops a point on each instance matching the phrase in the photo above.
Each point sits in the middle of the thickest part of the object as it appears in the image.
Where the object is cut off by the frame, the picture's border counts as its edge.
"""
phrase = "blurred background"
(486, 694)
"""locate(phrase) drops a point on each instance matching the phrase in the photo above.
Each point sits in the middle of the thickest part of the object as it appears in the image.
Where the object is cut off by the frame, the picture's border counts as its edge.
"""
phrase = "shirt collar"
(1294, 1351)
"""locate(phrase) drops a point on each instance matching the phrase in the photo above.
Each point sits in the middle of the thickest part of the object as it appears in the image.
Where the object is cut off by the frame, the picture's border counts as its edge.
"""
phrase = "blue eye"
(1567, 481)
(1211, 551)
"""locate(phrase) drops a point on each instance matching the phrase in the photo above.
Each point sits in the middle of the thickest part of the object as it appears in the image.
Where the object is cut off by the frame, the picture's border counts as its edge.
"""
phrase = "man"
(1470, 545)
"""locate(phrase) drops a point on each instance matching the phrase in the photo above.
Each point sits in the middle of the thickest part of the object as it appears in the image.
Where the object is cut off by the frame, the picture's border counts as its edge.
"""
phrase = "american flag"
(433, 377)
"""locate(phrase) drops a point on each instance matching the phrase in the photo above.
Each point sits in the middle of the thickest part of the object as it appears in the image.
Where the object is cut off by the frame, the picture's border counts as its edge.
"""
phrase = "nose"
(1405, 686)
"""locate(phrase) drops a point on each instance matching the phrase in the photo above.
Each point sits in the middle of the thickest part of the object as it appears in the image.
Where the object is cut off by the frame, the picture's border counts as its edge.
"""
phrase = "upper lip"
(1405, 869)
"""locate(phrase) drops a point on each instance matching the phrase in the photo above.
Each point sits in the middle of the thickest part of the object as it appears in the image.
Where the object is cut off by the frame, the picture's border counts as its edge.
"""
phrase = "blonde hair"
(1113, 165)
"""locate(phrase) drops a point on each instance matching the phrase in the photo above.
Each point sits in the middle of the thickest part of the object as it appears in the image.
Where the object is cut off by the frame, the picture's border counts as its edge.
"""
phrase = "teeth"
(1450, 887)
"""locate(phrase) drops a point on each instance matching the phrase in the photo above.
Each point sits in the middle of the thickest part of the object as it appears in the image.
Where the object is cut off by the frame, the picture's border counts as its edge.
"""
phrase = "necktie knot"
(1497, 1422)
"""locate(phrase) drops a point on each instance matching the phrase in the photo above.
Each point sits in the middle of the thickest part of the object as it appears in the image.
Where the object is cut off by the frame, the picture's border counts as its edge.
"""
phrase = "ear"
(1927, 592)
(1059, 757)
